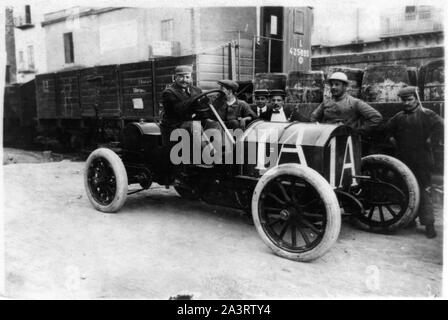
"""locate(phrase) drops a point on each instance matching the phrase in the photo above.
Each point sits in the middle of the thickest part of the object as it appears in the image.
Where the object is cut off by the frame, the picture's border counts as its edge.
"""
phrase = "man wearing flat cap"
(234, 112)
(177, 98)
(345, 109)
(411, 131)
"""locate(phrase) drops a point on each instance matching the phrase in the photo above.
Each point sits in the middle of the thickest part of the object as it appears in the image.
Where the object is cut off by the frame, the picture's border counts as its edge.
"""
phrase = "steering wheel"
(201, 108)
(208, 111)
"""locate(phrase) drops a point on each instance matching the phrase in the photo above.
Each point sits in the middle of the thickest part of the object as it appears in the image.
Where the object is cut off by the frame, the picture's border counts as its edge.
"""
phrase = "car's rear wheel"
(390, 197)
(105, 180)
(296, 212)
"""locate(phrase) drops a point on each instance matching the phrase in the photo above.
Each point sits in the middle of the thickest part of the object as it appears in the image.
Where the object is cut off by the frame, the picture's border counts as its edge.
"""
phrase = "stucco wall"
(116, 37)
(33, 36)
(218, 25)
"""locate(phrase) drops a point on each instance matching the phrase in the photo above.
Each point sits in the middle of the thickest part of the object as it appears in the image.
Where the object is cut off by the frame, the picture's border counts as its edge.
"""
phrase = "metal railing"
(411, 23)
(20, 21)
(262, 46)
(261, 49)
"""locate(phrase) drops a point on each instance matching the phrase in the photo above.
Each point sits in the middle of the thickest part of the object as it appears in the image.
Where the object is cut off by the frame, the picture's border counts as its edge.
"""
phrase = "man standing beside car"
(345, 109)
(411, 131)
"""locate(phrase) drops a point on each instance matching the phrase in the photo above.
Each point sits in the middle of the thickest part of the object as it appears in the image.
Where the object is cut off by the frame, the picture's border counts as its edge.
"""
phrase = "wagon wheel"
(296, 212)
(390, 198)
(105, 180)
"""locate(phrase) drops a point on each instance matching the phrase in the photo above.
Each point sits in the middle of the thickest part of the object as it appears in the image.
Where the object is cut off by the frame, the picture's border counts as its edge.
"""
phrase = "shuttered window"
(68, 48)
(30, 50)
(27, 14)
(21, 61)
(168, 30)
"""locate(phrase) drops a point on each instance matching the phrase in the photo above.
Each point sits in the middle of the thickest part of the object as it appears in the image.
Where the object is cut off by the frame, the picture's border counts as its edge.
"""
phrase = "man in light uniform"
(345, 109)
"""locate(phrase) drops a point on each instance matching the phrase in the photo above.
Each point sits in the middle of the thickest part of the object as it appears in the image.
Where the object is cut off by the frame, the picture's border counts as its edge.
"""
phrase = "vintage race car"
(303, 178)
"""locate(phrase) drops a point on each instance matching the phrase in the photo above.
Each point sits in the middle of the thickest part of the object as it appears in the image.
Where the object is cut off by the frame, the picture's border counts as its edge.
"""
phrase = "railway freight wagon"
(91, 105)
(19, 114)
(83, 107)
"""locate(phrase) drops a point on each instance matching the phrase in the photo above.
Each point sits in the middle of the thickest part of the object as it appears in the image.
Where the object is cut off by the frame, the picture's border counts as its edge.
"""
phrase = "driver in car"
(177, 101)
(181, 111)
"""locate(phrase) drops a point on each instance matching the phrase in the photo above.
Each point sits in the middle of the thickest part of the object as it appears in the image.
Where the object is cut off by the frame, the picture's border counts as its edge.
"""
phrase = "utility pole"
(195, 30)
(357, 25)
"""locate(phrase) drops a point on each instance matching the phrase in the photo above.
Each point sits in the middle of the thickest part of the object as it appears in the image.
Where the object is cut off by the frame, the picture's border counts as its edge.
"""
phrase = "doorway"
(272, 28)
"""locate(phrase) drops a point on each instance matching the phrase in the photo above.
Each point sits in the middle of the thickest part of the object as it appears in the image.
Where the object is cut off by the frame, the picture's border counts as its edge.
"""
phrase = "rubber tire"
(413, 194)
(186, 194)
(121, 178)
(326, 193)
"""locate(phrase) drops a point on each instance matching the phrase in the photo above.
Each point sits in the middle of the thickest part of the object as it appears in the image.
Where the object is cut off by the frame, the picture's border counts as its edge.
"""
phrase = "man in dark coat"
(277, 102)
(176, 98)
(269, 105)
(260, 108)
(411, 132)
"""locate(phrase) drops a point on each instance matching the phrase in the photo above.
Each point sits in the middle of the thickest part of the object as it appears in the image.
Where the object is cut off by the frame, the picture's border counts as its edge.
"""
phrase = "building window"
(30, 50)
(21, 61)
(424, 15)
(8, 77)
(27, 14)
(167, 30)
(45, 86)
(409, 13)
(298, 22)
(68, 47)
(274, 24)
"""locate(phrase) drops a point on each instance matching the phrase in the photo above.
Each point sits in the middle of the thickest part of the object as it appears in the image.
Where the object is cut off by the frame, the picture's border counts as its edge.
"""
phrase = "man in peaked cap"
(180, 112)
(411, 131)
(345, 109)
(277, 99)
(234, 112)
(260, 107)
(177, 98)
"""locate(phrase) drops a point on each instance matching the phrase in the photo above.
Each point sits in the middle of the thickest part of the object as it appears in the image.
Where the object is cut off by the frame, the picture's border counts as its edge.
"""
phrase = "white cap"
(339, 76)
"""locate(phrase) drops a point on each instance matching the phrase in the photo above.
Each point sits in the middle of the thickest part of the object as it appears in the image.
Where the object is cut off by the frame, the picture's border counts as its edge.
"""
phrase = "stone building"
(51, 40)
(410, 35)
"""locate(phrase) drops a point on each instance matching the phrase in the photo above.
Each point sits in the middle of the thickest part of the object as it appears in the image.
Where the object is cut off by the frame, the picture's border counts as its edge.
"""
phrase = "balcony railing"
(411, 23)
(22, 22)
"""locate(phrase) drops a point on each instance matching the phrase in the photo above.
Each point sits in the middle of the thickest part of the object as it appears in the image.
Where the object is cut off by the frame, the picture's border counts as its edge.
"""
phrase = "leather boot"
(411, 225)
(430, 232)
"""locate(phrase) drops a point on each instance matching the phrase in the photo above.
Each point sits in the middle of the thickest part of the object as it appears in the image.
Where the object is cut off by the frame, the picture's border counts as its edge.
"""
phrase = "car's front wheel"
(105, 180)
(296, 212)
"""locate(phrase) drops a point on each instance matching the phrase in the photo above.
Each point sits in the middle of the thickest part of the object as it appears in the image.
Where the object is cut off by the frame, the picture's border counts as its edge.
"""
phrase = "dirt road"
(159, 246)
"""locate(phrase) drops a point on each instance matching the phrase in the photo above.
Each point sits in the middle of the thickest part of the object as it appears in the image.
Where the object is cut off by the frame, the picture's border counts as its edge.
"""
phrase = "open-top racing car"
(302, 179)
